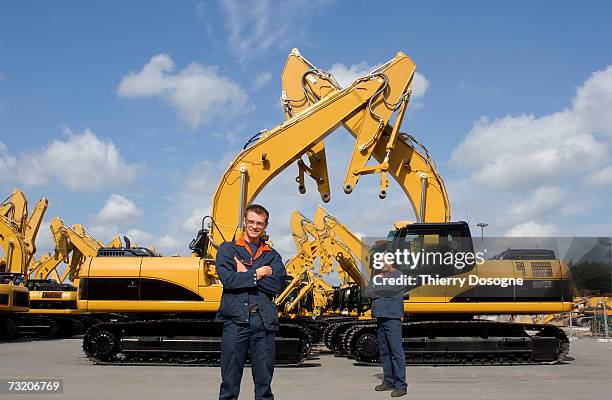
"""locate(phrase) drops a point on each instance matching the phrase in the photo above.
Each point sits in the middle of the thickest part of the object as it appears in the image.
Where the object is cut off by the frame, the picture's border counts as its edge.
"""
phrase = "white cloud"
(119, 210)
(524, 151)
(602, 177)
(526, 175)
(195, 200)
(541, 201)
(121, 216)
(189, 205)
(420, 85)
(198, 93)
(262, 25)
(262, 79)
(171, 243)
(7, 162)
(345, 75)
(165, 244)
(593, 101)
(82, 162)
(531, 229)
(116, 216)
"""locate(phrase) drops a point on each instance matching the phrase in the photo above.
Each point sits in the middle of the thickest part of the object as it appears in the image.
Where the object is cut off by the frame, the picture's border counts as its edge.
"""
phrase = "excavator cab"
(433, 238)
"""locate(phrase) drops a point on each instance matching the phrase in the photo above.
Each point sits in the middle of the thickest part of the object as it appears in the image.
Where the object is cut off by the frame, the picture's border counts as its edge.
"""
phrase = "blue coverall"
(243, 327)
(388, 308)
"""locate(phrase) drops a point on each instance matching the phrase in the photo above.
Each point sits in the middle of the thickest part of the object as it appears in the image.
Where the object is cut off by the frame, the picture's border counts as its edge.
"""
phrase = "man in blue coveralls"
(387, 293)
(251, 273)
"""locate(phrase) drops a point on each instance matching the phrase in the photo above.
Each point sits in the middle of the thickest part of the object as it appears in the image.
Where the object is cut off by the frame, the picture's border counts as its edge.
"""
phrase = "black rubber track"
(102, 342)
(358, 340)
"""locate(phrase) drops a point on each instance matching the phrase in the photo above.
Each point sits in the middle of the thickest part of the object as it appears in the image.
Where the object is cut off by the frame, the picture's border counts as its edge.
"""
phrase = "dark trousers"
(235, 344)
(392, 352)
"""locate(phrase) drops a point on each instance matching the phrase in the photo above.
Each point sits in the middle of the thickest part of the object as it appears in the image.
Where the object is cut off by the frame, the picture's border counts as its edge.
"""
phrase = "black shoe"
(399, 392)
(383, 387)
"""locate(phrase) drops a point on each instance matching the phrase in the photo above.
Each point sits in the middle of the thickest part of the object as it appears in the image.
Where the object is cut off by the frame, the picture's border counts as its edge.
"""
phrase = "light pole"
(482, 225)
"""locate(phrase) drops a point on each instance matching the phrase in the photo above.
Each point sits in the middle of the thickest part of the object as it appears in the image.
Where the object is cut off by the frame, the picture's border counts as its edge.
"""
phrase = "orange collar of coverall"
(262, 247)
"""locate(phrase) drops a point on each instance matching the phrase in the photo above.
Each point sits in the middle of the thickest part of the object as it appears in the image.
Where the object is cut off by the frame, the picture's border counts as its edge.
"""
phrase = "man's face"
(255, 225)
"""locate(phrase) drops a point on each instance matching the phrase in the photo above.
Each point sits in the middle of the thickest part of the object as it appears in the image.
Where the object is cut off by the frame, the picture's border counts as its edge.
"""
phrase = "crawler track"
(475, 342)
(178, 342)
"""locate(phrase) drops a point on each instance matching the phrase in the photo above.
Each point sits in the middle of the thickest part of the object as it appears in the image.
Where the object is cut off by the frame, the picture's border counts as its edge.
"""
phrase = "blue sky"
(125, 114)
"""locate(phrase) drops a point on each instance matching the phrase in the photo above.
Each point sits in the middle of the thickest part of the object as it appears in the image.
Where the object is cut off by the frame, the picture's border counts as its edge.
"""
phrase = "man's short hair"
(257, 209)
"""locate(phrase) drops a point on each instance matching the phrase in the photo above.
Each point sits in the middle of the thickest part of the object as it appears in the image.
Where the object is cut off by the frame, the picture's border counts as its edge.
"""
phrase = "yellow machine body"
(148, 284)
(13, 298)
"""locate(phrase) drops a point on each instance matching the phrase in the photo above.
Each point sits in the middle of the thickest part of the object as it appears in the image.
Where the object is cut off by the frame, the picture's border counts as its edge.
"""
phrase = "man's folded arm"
(274, 283)
(226, 269)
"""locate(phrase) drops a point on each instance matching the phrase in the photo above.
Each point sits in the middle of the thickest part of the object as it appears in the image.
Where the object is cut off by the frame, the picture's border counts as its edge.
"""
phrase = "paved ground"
(587, 374)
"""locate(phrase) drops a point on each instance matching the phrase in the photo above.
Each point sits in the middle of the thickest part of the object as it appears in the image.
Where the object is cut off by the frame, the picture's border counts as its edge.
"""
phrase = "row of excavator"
(138, 308)
(39, 299)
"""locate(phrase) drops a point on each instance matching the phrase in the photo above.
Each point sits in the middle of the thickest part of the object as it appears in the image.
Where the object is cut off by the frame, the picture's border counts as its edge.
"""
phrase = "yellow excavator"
(316, 303)
(168, 302)
(18, 232)
(54, 296)
(14, 296)
(304, 295)
(52, 308)
(443, 329)
(429, 308)
(307, 296)
(15, 209)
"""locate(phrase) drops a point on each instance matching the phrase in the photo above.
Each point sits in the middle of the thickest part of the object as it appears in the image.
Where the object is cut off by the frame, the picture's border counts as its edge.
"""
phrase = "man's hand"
(240, 266)
(264, 271)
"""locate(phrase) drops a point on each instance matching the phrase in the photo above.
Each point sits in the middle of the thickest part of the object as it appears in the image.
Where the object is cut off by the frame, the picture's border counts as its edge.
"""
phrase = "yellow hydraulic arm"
(13, 248)
(86, 236)
(370, 101)
(301, 267)
(72, 246)
(304, 259)
(326, 251)
(343, 244)
(397, 153)
(319, 289)
(46, 267)
(15, 208)
(328, 224)
(86, 245)
(329, 249)
(307, 248)
(32, 227)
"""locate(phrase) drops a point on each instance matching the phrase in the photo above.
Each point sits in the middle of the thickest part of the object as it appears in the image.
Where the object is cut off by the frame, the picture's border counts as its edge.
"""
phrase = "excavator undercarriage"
(454, 342)
(146, 341)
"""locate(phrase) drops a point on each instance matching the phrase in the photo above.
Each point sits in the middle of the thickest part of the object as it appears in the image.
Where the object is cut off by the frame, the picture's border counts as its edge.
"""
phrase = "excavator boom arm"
(407, 161)
(255, 166)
